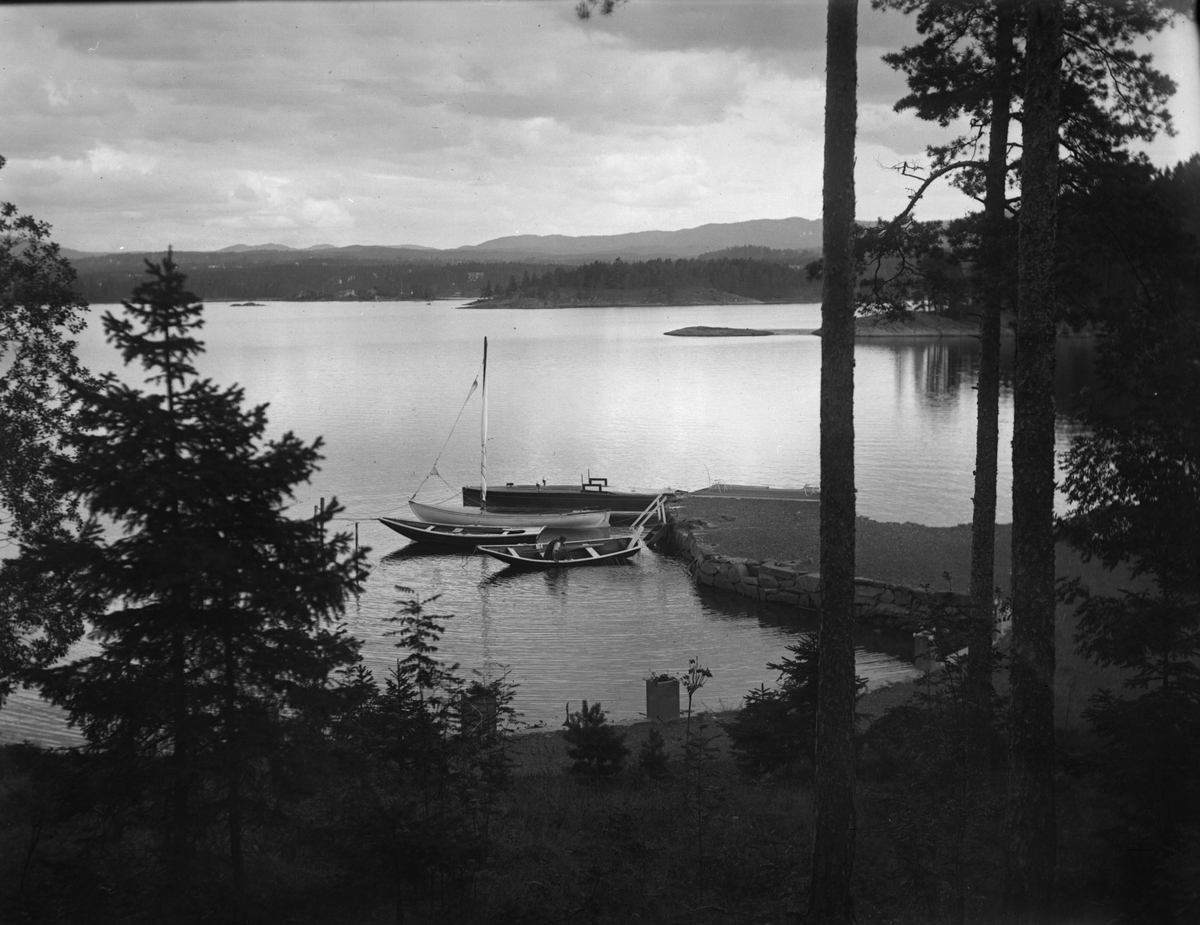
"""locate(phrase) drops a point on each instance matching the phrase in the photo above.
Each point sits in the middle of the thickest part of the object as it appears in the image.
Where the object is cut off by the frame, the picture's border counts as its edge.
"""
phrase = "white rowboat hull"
(572, 554)
(567, 520)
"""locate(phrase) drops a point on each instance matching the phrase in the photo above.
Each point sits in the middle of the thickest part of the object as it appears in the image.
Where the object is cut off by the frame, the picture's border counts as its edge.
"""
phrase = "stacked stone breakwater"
(881, 604)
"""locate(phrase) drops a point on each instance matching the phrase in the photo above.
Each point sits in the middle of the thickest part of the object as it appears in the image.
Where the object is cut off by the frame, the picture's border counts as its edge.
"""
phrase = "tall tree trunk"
(987, 431)
(179, 824)
(233, 758)
(1029, 817)
(180, 615)
(833, 847)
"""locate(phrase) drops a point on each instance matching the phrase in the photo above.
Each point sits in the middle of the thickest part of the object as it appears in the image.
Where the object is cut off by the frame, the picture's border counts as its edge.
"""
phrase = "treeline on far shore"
(756, 273)
(747, 277)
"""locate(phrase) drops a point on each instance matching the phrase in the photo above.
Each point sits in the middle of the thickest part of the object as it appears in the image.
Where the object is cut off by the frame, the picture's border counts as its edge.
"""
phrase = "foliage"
(756, 278)
(786, 255)
(421, 762)
(583, 9)
(934, 826)
(939, 812)
(1131, 481)
(908, 265)
(1131, 476)
(559, 849)
(694, 679)
(39, 311)
(775, 730)
(374, 794)
(652, 755)
(1112, 95)
(1149, 746)
(758, 273)
(594, 747)
(213, 608)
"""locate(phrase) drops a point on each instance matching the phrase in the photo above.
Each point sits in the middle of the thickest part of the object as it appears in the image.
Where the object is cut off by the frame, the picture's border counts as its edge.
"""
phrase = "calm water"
(599, 391)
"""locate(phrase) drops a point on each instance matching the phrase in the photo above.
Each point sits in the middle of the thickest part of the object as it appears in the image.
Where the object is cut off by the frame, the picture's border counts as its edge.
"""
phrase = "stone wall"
(877, 603)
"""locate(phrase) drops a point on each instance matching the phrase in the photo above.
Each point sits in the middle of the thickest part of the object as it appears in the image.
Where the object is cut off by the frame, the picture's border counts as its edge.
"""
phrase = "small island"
(702, 330)
(247, 304)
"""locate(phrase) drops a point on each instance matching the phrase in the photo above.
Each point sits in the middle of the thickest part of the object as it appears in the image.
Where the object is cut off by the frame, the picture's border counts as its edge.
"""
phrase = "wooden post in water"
(358, 576)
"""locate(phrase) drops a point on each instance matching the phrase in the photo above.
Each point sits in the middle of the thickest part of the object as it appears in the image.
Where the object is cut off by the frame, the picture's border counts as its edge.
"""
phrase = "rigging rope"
(434, 470)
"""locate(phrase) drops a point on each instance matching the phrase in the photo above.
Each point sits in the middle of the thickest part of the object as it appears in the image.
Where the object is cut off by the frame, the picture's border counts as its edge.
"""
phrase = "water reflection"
(383, 382)
(420, 551)
(564, 635)
(935, 370)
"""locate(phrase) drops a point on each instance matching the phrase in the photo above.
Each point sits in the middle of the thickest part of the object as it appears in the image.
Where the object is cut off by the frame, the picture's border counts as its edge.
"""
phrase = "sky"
(135, 126)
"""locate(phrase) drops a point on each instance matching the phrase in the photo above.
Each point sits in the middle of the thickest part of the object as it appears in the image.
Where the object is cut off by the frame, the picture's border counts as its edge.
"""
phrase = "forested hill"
(381, 274)
(658, 280)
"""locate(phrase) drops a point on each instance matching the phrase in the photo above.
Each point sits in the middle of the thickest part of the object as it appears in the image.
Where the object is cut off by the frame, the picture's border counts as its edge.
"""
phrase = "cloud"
(432, 123)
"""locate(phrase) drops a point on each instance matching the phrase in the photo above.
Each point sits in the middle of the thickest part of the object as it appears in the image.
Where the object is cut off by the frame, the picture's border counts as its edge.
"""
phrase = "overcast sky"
(448, 123)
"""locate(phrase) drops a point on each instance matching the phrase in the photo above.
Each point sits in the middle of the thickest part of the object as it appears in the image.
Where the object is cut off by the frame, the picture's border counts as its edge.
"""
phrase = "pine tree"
(833, 791)
(968, 63)
(1030, 816)
(215, 607)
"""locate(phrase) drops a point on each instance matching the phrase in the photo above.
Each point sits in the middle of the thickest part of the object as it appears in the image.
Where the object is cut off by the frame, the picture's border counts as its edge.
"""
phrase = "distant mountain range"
(244, 248)
(784, 234)
(276, 271)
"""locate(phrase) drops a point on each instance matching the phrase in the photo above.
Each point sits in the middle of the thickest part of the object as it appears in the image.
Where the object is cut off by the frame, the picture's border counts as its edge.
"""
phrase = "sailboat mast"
(483, 429)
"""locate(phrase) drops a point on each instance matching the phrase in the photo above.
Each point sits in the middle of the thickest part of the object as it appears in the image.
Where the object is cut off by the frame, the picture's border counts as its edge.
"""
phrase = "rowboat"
(482, 512)
(564, 553)
(569, 554)
(466, 536)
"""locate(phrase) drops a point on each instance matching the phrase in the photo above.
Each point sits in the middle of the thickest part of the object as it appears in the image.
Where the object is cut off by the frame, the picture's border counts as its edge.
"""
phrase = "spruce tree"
(215, 607)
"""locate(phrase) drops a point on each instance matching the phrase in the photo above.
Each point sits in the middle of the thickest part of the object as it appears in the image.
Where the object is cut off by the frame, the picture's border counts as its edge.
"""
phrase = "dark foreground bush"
(593, 746)
(775, 731)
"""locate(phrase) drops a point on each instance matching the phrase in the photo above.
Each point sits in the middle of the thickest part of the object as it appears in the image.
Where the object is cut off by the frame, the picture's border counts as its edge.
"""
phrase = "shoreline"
(543, 750)
(784, 526)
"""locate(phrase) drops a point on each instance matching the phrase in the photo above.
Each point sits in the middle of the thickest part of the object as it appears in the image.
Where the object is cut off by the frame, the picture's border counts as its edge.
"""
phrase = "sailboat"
(480, 517)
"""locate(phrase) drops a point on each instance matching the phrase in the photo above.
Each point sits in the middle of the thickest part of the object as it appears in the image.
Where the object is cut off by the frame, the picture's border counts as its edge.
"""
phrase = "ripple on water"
(564, 636)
